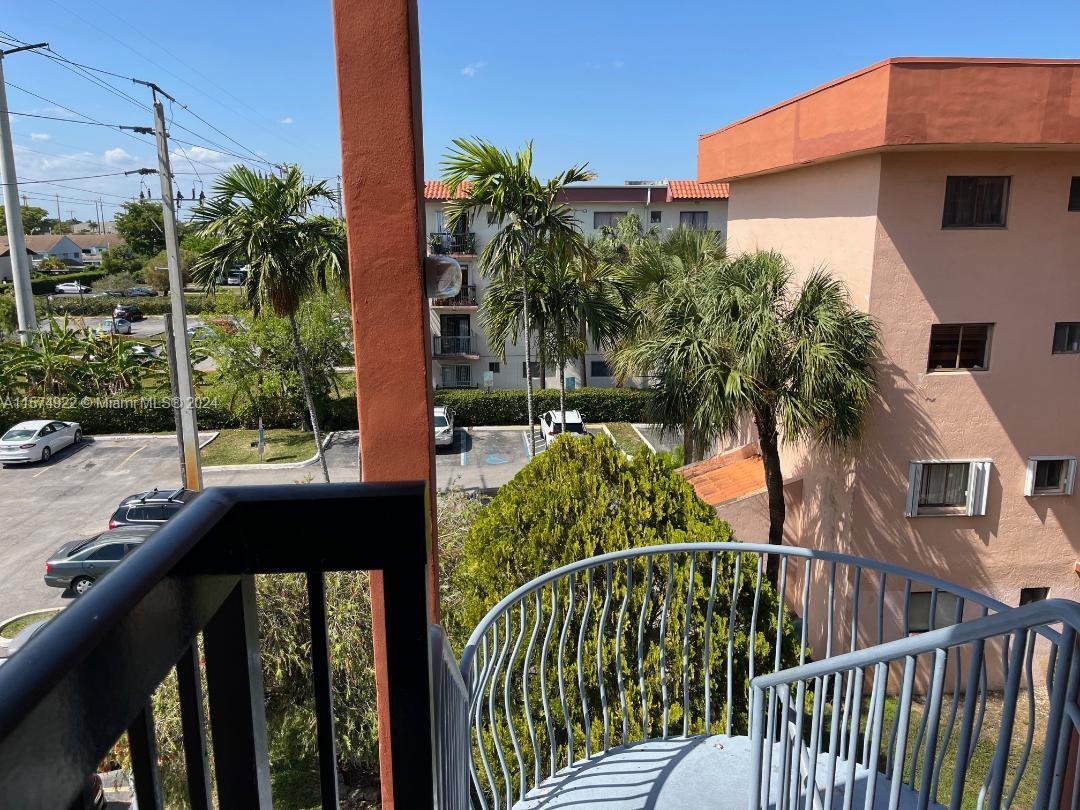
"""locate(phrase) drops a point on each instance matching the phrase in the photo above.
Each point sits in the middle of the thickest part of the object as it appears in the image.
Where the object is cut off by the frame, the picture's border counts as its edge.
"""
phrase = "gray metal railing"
(466, 297)
(450, 706)
(464, 243)
(665, 641)
(452, 344)
(914, 755)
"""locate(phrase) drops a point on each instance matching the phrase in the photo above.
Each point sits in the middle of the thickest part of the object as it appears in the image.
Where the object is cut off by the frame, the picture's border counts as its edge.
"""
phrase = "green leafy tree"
(581, 498)
(114, 281)
(121, 259)
(142, 226)
(34, 219)
(262, 222)
(9, 319)
(529, 216)
(51, 264)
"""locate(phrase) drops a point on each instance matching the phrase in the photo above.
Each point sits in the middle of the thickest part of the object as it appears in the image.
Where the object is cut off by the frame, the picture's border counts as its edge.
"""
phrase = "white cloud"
(40, 136)
(286, 120)
(203, 155)
(118, 156)
(471, 69)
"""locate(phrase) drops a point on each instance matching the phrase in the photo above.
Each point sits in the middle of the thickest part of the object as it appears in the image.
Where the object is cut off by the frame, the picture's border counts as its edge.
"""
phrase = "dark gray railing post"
(144, 760)
(237, 714)
(193, 724)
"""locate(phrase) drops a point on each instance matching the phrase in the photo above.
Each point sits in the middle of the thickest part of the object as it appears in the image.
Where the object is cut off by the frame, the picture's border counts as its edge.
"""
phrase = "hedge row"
(104, 305)
(155, 415)
(473, 407)
(46, 285)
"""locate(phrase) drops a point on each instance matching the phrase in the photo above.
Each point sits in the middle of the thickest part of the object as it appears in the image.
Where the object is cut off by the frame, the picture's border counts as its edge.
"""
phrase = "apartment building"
(464, 358)
(946, 194)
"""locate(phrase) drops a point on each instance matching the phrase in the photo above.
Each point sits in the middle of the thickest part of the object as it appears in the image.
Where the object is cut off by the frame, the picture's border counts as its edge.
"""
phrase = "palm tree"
(527, 211)
(800, 363)
(262, 221)
(670, 337)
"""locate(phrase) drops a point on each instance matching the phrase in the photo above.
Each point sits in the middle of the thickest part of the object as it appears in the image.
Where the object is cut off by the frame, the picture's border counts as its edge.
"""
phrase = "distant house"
(5, 260)
(71, 249)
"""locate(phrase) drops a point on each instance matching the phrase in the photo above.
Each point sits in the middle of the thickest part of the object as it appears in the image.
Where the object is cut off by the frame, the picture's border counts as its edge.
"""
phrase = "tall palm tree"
(800, 362)
(263, 221)
(527, 212)
(670, 338)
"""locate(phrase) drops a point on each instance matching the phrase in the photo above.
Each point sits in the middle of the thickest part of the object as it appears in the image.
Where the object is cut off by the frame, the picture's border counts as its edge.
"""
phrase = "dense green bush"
(46, 285)
(508, 407)
(582, 498)
(149, 415)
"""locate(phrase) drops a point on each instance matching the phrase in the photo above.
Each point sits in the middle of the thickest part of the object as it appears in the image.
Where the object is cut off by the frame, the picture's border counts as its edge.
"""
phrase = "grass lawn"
(626, 438)
(11, 629)
(235, 447)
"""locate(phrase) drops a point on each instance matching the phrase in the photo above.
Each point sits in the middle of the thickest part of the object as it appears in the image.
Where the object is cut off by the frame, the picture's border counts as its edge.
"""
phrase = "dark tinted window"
(919, 617)
(599, 368)
(1067, 337)
(655, 217)
(139, 513)
(1074, 195)
(958, 345)
(975, 202)
(167, 510)
(698, 220)
(112, 551)
(1029, 595)
(494, 368)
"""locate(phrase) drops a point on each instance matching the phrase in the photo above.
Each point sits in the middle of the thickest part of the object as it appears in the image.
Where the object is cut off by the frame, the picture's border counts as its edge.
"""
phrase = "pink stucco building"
(946, 194)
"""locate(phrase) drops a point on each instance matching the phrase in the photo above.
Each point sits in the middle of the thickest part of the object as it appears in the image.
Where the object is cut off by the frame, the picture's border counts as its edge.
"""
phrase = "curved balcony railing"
(664, 642)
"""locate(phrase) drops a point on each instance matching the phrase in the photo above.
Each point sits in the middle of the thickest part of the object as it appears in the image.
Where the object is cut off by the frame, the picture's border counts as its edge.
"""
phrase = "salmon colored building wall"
(872, 216)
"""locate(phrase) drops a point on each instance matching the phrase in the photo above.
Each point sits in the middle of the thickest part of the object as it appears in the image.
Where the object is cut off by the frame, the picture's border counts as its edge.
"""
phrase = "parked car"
(236, 278)
(37, 440)
(71, 288)
(79, 564)
(551, 424)
(114, 326)
(116, 293)
(444, 426)
(140, 292)
(128, 312)
(150, 508)
(143, 354)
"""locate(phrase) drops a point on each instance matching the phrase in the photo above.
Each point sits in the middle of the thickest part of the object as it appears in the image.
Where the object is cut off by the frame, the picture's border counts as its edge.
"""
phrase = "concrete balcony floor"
(691, 773)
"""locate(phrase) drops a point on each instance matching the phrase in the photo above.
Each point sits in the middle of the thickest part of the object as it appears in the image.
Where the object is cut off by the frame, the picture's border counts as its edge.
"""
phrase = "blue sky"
(625, 86)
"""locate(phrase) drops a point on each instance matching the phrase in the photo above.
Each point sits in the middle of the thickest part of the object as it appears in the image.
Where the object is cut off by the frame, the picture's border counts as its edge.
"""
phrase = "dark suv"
(151, 508)
(129, 312)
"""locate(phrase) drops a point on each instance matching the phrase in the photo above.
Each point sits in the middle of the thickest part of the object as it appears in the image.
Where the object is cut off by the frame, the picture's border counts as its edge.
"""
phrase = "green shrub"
(148, 415)
(104, 305)
(581, 498)
(46, 285)
(508, 407)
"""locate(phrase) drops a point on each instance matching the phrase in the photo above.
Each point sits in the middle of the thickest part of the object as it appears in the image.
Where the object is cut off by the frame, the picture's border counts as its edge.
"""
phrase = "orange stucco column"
(378, 67)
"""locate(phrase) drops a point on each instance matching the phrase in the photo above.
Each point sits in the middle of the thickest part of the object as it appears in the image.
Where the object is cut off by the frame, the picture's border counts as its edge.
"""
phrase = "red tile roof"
(689, 190)
(436, 190)
(728, 476)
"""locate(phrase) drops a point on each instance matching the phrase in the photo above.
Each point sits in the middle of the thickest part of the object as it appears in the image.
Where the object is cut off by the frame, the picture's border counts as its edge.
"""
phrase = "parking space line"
(41, 472)
(133, 454)
(464, 450)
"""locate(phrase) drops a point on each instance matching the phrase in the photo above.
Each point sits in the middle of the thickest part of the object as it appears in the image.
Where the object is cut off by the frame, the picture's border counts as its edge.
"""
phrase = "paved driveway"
(481, 458)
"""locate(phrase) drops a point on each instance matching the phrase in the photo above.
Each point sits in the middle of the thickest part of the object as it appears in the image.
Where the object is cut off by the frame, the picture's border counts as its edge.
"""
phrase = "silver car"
(114, 326)
(37, 440)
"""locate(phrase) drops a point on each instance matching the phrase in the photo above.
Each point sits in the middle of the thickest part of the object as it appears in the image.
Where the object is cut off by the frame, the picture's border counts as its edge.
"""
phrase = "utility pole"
(20, 262)
(181, 357)
(59, 218)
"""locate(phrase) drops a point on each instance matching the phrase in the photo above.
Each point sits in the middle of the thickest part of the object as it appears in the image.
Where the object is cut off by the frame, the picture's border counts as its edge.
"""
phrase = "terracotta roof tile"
(436, 190)
(690, 190)
(728, 476)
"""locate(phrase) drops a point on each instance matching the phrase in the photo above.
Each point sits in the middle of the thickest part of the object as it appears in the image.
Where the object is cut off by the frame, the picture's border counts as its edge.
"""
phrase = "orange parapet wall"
(906, 102)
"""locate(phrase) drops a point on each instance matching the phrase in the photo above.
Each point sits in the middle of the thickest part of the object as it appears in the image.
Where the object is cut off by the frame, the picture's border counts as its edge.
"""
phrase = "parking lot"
(73, 495)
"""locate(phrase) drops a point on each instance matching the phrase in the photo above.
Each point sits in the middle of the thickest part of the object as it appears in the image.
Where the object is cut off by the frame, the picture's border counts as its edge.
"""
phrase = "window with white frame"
(606, 219)
(922, 605)
(947, 488)
(698, 220)
(1050, 475)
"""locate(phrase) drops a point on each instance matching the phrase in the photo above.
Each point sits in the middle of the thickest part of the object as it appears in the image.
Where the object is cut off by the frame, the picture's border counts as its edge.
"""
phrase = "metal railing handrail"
(468, 654)
(1047, 611)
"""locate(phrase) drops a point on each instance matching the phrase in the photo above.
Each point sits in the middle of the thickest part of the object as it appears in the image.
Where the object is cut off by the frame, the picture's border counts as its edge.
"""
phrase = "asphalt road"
(74, 494)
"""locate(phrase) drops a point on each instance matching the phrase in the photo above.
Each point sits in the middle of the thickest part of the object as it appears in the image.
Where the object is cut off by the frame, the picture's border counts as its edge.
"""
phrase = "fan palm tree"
(262, 221)
(527, 212)
(800, 362)
(669, 337)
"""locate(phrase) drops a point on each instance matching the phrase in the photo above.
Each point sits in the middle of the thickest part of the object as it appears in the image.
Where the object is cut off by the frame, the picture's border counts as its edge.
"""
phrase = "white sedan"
(71, 288)
(444, 426)
(37, 440)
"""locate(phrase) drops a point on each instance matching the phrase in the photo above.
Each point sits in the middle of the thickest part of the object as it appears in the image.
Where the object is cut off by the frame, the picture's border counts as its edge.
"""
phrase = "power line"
(83, 177)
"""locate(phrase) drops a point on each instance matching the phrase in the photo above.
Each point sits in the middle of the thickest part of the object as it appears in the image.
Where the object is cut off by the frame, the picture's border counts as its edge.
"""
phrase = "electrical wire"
(82, 177)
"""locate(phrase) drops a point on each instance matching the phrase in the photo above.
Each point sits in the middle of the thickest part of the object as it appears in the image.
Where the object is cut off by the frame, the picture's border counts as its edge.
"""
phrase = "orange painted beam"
(378, 68)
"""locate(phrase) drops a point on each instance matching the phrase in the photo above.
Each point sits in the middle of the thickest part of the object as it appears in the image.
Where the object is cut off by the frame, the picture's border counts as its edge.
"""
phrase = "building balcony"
(465, 300)
(452, 244)
(462, 348)
(623, 681)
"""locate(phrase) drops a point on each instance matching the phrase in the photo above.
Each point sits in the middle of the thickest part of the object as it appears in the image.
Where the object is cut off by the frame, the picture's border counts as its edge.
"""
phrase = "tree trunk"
(584, 334)
(688, 443)
(541, 352)
(765, 420)
(528, 357)
(306, 384)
